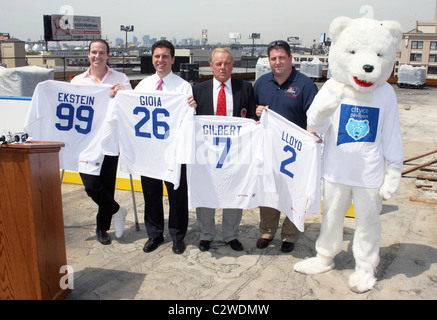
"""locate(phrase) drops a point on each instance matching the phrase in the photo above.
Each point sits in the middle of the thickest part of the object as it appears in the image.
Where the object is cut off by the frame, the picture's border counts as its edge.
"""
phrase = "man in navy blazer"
(240, 102)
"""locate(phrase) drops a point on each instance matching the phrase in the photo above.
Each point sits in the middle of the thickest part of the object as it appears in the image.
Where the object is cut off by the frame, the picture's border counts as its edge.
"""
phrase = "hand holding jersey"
(226, 154)
(144, 128)
(73, 114)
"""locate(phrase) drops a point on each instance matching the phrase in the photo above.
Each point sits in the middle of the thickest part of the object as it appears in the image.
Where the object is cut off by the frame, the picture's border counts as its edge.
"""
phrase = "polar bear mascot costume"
(357, 113)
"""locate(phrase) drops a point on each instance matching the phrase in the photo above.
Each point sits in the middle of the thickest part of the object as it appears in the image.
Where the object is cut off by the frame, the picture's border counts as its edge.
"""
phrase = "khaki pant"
(269, 222)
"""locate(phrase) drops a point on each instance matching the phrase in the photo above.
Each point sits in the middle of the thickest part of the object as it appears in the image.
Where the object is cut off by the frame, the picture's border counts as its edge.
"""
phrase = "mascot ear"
(337, 26)
(395, 30)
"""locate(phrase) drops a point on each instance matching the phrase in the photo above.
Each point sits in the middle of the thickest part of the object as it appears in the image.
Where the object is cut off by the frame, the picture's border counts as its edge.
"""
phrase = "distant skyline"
(273, 19)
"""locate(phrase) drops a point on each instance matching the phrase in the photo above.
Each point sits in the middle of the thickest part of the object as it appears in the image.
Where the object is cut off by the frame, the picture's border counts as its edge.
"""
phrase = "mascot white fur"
(356, 111)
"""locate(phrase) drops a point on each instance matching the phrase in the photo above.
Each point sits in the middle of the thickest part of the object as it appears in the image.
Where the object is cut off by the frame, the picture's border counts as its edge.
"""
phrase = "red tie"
(221, 102)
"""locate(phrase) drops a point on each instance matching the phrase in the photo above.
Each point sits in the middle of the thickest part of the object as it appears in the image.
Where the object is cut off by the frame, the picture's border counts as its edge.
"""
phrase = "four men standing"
(283, 90)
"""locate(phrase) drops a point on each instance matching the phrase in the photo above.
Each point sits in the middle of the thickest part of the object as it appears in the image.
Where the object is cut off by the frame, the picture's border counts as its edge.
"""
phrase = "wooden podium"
(32, 240)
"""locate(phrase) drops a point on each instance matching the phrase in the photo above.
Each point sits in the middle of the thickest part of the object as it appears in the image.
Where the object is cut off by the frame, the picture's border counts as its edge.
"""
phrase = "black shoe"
(103, 237)
(236, 245)
(178, 246)
(262, 243)
(287, 246)
(152, 244)
(204, 245)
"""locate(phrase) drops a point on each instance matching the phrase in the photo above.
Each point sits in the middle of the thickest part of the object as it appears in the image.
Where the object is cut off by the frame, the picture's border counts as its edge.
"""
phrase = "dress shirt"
(216, 86)
(111, 77)
(172, 83)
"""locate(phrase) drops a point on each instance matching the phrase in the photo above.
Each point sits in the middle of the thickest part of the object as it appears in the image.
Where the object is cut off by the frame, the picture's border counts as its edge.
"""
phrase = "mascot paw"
(362, 280)
(314, 265)
(392, 180)
(336, 87)
(341, 90)
(352, 93)
(322, 109)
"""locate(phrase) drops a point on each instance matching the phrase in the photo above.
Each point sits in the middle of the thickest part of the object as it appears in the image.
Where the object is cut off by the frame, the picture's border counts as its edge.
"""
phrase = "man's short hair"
(211, 57)
(101, 41)
(277, 45)
(164, 44)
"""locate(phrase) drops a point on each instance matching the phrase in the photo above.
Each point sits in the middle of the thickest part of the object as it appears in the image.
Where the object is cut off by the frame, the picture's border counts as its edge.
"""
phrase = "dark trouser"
(154, 209)
(102, 189)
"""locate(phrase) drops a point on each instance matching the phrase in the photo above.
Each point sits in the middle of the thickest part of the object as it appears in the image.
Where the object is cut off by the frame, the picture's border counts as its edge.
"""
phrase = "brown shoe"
(262, 243)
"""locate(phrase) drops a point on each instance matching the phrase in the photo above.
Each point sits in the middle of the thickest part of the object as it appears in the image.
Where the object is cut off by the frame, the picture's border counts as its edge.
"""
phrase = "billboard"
(59, 27)
(127, 28)
(234, 35)
(294, 40)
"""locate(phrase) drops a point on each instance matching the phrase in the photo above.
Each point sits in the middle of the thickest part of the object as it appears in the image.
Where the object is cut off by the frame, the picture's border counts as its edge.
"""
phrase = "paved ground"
(408, 268)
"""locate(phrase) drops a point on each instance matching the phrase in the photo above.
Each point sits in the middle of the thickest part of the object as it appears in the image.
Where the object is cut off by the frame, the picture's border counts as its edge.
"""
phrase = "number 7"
(225, 152)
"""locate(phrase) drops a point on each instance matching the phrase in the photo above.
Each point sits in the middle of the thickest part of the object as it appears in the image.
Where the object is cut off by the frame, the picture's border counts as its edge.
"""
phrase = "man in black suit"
(236, 101)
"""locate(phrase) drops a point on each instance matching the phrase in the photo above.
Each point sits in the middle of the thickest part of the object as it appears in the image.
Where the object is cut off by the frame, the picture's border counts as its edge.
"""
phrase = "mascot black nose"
(368, 68)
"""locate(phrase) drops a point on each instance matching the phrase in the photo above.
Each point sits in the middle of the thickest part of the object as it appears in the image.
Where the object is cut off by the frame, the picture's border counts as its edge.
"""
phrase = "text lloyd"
(292, 141)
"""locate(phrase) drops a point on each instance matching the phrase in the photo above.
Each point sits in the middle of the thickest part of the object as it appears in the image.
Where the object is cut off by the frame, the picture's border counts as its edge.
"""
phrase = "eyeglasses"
(280, 43)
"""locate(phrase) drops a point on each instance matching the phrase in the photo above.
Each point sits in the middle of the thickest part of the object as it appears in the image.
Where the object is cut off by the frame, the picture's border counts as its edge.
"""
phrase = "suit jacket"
(242, 95)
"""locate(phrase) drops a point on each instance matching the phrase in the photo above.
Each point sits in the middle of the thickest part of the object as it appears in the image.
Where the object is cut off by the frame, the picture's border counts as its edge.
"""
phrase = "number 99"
(66, 112)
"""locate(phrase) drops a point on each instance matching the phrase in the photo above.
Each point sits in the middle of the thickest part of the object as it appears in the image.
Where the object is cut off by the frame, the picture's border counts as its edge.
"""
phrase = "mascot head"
(363, 51)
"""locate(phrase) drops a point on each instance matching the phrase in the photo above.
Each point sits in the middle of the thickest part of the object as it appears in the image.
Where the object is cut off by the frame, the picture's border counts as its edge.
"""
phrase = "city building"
(12, 53)
(419, 47)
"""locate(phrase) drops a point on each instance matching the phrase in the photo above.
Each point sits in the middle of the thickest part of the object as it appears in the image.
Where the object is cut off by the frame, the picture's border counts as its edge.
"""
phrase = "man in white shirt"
(163, 57)
(101, 188)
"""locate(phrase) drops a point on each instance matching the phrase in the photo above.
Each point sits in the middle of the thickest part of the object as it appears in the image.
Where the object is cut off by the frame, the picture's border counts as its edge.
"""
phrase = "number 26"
(155, 123)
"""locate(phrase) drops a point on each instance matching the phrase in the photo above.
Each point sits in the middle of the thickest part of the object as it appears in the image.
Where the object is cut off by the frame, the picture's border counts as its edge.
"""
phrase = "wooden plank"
(423, 200)
(423, 186)
(427, 178)
(419, 156)
(419, 166)
(429, 169)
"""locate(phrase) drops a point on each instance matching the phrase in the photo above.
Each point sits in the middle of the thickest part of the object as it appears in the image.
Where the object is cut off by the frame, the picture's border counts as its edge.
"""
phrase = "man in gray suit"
(236, 101)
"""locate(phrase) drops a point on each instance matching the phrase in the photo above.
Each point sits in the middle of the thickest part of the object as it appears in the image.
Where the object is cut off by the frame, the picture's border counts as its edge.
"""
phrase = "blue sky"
(273, 19)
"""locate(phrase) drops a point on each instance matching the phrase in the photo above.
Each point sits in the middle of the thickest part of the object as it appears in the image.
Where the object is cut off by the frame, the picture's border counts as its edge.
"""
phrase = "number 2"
(287, 161)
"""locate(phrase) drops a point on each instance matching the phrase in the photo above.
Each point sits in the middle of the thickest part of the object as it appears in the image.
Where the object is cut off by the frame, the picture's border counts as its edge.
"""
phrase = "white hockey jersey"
(72, 114)
(295, 159)
(144, 128)
(225, 168)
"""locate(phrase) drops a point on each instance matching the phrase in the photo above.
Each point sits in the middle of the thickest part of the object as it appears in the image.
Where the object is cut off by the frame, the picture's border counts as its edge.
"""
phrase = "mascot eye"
(379, 55)
(352, 51)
